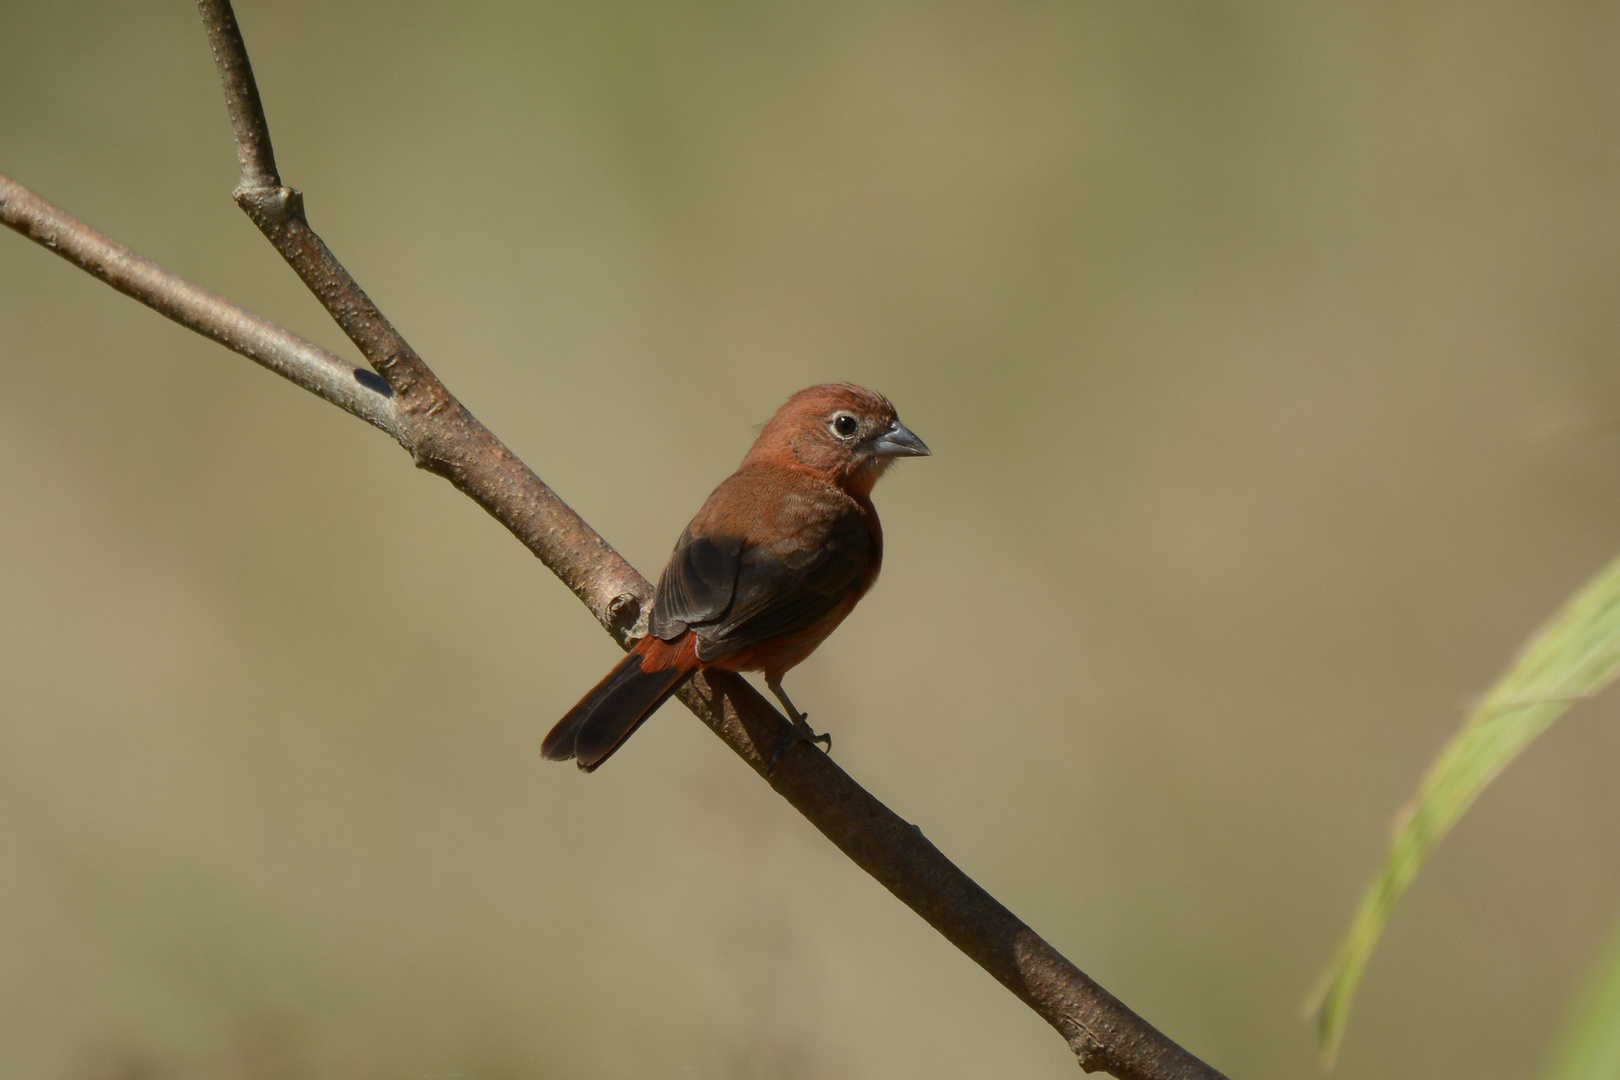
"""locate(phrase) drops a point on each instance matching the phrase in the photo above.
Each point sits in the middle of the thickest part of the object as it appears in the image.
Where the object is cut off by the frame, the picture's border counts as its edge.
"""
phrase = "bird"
(777, 557)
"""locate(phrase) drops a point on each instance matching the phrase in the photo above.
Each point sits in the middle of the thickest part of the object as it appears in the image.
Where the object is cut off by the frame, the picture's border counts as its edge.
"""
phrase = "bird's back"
(774, 560)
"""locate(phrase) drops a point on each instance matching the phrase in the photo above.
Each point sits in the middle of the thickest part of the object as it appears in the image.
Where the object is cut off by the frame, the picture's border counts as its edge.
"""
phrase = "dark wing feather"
(786, 587)
(697, 585)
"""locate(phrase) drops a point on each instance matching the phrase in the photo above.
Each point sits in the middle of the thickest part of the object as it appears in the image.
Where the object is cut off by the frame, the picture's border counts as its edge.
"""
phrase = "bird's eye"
(844, 425)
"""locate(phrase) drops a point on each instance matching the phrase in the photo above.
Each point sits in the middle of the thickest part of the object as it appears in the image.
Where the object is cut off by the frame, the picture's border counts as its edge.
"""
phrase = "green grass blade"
(1572, 657)
(1588, 1048)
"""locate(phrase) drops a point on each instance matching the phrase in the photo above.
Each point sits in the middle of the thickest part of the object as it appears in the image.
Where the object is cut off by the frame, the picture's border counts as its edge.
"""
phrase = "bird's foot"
(801, 724)
(802, 732)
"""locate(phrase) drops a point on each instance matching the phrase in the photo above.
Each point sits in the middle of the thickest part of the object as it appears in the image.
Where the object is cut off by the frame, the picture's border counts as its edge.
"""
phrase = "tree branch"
(412, 405)
(351, 389)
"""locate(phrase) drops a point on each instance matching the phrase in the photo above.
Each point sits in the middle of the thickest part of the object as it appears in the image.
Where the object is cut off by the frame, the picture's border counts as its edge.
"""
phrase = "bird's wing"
(697, 585)
(787, 585)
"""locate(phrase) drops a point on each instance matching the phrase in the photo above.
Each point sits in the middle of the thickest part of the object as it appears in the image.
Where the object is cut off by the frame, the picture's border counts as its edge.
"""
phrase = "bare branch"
(444, 438)
(278, 211)
(1103, 1033)
(352, 389)
(440, 433)
(253, 148)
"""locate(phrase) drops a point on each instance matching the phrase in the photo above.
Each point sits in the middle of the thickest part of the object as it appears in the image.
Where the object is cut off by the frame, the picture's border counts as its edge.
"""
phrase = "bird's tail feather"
(621, 702)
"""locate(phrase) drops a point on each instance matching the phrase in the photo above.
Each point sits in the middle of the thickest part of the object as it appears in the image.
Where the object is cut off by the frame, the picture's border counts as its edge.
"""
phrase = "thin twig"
(253, 149)
(351, 389)
(443, 437)
(278, 211)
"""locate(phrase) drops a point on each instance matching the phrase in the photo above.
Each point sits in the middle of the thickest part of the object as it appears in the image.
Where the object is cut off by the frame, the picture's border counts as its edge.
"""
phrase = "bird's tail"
(621, 702)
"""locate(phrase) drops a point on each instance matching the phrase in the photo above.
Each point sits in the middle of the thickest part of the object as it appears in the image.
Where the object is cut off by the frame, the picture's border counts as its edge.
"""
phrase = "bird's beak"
(898, 441)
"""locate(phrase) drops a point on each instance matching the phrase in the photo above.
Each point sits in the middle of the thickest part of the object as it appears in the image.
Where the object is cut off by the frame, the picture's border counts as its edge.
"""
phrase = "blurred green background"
(1267, 355)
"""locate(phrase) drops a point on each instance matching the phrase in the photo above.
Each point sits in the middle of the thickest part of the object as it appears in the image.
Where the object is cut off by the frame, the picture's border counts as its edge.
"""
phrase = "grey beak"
(898, 441)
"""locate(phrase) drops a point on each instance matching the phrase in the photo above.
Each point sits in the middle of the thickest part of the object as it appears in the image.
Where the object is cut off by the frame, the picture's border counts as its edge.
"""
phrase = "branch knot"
(270, 202)
(622, 613)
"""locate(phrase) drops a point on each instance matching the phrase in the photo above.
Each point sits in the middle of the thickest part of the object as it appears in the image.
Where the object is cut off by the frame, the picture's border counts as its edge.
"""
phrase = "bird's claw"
(806, 733)
(802, 732)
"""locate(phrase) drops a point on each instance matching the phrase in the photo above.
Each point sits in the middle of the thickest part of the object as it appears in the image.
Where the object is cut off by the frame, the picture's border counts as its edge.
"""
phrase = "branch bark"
(410, 403)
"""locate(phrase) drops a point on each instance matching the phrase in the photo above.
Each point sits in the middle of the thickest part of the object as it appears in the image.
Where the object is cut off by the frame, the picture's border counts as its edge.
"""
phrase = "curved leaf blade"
(1588, 1047)
(1572, 657)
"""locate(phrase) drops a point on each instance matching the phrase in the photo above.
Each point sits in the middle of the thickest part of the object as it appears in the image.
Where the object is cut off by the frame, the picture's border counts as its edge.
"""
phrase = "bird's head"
(840, 431)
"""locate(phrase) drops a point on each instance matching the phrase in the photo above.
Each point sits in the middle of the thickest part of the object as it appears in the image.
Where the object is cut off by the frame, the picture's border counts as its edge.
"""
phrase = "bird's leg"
(802, 731)
(800, 720)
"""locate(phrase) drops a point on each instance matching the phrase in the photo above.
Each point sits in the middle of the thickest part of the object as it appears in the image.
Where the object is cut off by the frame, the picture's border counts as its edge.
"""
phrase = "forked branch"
(411, 404)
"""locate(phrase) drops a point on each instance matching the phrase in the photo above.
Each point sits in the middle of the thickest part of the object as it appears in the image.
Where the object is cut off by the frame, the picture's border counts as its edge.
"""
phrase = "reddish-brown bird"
(778, 556)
